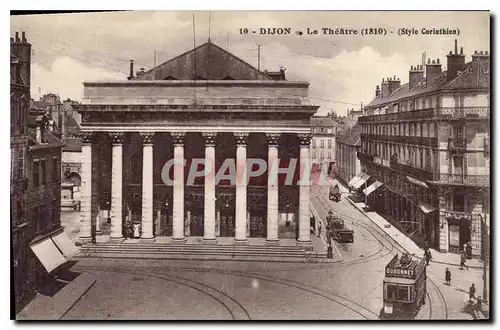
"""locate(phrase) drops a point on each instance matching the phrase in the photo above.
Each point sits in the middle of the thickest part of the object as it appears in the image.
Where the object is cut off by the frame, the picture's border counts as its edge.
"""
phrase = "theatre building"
(427, 144)
(203, 104)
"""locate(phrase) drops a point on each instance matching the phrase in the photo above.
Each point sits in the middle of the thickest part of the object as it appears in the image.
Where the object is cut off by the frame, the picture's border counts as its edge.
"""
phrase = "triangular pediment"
(205, 62)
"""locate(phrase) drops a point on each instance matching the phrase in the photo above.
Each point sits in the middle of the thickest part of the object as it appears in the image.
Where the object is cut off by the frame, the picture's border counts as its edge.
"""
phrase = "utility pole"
(485, 258)
(258, 56)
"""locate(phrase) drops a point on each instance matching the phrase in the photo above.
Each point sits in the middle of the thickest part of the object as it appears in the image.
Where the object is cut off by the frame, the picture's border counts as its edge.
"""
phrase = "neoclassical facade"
(204, 104)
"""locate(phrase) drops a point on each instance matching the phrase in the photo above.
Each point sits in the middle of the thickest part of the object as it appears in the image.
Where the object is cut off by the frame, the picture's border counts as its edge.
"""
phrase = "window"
(396, 292)
(55, 170)
(36, 173)
(12, 157)
(20, 168)
(329, 143)
(322, 143)
(43, 164)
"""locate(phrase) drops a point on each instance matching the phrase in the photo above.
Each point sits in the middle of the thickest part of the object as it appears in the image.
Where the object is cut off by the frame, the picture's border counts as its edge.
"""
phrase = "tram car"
(335, 193)
(336, 229)
(404, 287)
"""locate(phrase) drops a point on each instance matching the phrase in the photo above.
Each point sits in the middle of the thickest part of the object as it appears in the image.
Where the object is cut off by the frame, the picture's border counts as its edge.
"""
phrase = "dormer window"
(228, 78)
(170, 78)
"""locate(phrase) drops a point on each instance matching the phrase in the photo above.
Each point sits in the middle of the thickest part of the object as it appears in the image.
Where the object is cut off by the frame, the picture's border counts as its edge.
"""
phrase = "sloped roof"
(72, 127)
(205, 62)
(352, 137)
(476, 74)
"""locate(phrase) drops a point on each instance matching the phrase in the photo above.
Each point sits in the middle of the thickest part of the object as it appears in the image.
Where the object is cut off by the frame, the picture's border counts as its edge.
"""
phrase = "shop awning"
(48, 254)
(426, 208)
(360, 180)
(372, 187)
(64, 244)
(418, 182)
(356, 177)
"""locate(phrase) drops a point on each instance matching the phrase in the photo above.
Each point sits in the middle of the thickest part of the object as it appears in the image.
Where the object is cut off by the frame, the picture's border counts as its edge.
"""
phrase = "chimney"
(433, 70)
(22, 50)
(131, 75)
(377, 91)
(394, 84)
(140, 72)
(480, 55)
(416, 74)
(384, 91)
(456, 62)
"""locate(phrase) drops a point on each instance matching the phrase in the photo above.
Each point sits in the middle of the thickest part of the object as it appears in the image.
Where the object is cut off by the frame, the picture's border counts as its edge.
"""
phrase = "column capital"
(147, 137)
(272, 138)
(178, 138)
(241, 138)
(117, 137)
(209, 138)
(87, 137)
(305, 139)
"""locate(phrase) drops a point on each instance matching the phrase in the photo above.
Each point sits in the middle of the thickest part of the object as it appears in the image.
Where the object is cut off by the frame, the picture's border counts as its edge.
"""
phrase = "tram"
(404, 287)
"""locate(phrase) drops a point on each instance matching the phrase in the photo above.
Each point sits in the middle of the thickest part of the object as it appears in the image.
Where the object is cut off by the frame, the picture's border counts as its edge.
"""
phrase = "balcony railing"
(397, 116)
(417, 140)
(465, 179)
(464, 112)
(451, 112)
(417, 172)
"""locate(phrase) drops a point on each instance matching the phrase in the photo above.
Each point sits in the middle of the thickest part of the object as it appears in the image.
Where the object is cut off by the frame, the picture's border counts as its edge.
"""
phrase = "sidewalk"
(54, 308)
(406, 243)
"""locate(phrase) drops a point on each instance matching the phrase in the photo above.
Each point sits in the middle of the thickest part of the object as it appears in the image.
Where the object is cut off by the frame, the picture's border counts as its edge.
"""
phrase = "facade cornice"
(184, 83)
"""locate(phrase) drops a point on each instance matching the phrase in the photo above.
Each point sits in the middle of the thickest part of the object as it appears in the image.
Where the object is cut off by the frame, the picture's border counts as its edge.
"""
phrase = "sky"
(343, 70)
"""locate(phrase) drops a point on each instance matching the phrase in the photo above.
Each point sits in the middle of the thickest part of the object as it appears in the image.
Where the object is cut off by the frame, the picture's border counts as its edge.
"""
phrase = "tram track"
(349, 304)
(234, 308)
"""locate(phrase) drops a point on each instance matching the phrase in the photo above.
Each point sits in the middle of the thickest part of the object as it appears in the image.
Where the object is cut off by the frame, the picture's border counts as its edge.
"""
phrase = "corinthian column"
(304, 213)
(147, 186)
(272, 188)
(241, 188)
(209, 220)
(116, 186)
(86, 188)
(178, 189)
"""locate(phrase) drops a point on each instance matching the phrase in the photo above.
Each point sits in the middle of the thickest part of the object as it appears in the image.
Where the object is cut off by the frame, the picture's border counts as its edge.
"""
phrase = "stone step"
(204, 246)
(191, 251)
(195, 247)
(223, 257)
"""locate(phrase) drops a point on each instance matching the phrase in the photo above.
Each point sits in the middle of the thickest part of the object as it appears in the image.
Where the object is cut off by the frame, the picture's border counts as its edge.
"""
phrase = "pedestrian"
(428, 256)
(472, 292)
(319, 229)
(93, 233)
(469, 250)
(462, 261)
(447, 276)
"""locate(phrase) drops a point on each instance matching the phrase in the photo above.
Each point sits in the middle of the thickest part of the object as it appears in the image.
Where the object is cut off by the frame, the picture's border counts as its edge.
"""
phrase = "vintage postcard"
(257, 165)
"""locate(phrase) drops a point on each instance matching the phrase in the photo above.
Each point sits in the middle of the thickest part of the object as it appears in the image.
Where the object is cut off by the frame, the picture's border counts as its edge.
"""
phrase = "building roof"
(476, 74)
(205, 62)
(50, 140)
(72, 127)
(352, 137)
